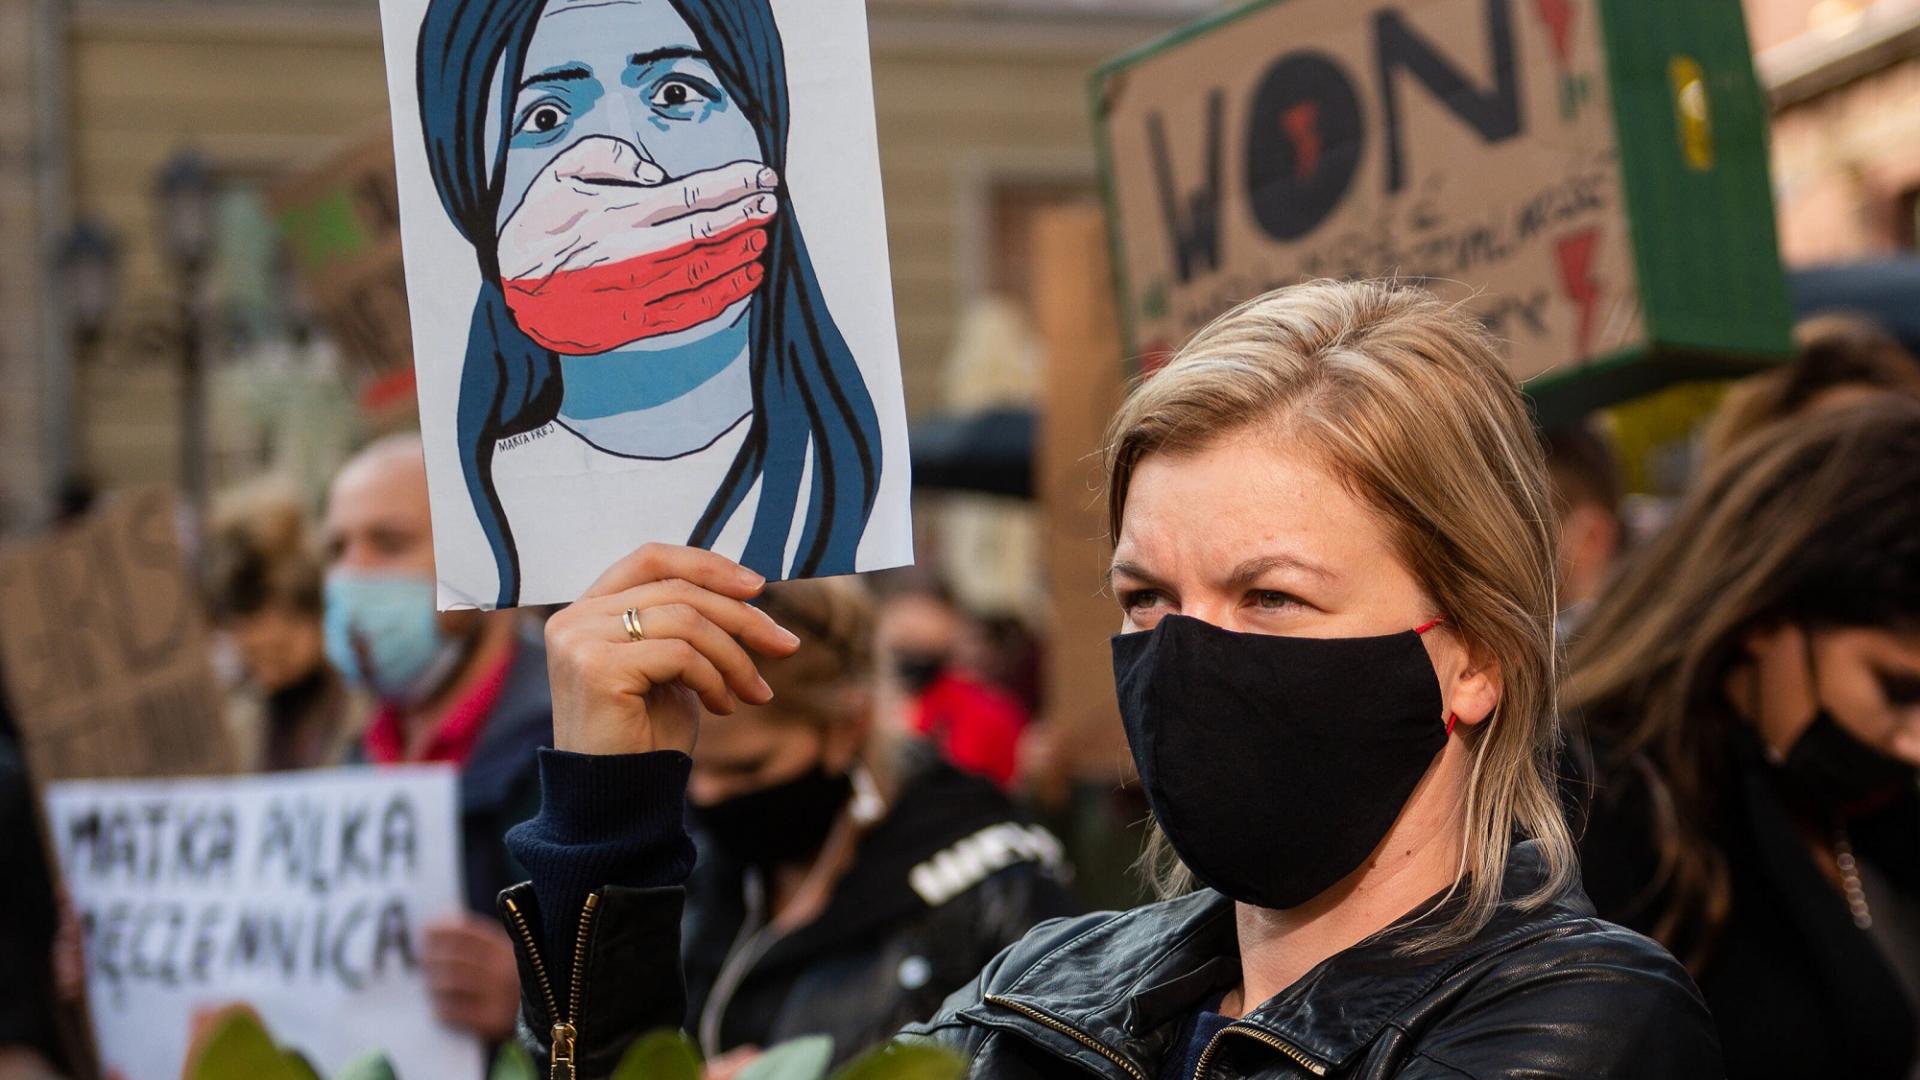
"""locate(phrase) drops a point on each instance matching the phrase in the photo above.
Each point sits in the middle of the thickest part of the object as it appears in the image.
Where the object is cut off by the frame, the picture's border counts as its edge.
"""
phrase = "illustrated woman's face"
(629, 70)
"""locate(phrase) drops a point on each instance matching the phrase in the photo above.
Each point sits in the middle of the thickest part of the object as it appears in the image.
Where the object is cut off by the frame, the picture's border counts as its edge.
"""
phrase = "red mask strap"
(1452, 718)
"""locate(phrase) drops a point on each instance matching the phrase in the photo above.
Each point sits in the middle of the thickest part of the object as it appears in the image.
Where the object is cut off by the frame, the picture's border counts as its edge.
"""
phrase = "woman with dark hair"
(647, 307)
(1752, 689)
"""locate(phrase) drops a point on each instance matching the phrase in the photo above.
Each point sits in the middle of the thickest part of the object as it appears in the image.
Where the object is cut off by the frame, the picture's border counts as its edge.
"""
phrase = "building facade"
(982, 118)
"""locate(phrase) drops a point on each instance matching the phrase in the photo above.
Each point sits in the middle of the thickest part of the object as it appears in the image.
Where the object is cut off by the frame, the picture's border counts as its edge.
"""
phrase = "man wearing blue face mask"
(464, 687)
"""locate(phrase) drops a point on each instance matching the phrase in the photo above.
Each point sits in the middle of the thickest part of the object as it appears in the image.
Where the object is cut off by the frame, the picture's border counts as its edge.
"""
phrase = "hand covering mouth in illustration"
(605, 250)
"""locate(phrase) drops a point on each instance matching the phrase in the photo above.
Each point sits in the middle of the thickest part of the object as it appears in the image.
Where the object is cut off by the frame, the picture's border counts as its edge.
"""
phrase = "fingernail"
(766, 692)
(764, 205)
(756, 241)
(750, 579)
(788, 636)
(769, 179)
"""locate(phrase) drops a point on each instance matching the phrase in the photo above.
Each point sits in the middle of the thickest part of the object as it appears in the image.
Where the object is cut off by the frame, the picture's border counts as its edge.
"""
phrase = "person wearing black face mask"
(1334, 565)
(813, 906)
(1752, 691)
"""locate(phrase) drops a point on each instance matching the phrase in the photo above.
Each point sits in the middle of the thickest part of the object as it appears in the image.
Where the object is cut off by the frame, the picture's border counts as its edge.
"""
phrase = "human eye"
(1274, 600)
(541, 122)
(1139, 601)
(680, 96)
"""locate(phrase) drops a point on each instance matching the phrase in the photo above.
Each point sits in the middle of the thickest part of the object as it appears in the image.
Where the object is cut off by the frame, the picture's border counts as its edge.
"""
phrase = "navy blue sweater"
(604, 820)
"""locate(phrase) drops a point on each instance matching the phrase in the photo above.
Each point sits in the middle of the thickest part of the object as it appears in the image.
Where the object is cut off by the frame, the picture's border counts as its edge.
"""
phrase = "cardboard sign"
(1589, 177)
(301, 895)
(105, 649)
(650, 296)
(342, 224)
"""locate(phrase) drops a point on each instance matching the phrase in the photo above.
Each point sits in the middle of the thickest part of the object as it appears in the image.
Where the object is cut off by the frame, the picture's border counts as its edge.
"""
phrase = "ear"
(1474, 691)
(1591, 532)
(1773, 639)
(844, 740)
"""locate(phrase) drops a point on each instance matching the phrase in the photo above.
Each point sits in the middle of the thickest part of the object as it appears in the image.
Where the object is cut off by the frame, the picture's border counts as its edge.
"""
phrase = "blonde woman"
(1752, 688)
(1334, 567)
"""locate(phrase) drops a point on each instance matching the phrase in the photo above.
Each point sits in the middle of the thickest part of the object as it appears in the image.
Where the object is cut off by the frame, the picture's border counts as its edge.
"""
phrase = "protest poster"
(646, 259)
(342, 225)
(104, 648)
(301, 896)
(1589, 177)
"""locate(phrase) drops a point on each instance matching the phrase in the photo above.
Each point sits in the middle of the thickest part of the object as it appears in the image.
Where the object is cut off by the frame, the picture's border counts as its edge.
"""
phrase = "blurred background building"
(106, 106)
(982, 115)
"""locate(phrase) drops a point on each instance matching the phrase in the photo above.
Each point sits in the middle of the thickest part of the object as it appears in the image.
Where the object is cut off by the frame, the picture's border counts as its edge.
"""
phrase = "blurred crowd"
(876, 834)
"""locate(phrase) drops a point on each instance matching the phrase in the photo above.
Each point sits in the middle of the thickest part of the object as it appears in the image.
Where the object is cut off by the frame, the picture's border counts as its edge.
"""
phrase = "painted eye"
(543, 118)
(677, 94)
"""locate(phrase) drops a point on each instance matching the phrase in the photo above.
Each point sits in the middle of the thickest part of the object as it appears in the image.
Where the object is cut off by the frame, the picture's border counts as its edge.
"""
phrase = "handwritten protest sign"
(105, 649)
(342, 223)
(301, 895)
(1590, 178)
(650, 294)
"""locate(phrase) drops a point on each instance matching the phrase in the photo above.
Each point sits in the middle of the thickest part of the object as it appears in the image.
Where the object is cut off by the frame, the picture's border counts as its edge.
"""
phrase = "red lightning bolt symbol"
(1558, 15)
(1302, 122)
(1576, 277)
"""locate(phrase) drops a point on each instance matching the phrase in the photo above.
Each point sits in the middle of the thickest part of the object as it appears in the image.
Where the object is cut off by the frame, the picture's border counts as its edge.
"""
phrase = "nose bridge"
(1216, 610)
(621, 117)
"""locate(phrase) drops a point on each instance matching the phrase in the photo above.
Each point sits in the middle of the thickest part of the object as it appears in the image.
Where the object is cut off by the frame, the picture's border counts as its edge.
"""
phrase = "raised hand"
(613, 694)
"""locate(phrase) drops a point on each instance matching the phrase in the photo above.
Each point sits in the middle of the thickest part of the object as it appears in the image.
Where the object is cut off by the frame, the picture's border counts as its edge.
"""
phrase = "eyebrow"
(1254, 569)
(569, 73)
(671, 52)
(1132, 570)
(1243, 575)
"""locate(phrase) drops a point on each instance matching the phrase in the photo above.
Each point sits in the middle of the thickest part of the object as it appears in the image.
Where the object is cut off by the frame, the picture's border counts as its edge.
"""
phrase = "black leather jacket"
(1549, 993)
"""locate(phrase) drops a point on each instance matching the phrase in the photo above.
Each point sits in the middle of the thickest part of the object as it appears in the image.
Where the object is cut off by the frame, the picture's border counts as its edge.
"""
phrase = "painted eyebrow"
(671, 52)
(568, 73)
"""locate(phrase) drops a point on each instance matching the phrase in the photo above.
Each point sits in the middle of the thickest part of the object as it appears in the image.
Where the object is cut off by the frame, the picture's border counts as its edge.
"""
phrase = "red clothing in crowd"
(975, 725)
(453, 740)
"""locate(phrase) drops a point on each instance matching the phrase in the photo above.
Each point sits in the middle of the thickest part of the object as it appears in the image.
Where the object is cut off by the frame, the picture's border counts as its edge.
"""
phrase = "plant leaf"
(804, 1058)
(513, 1063)
(239, 1048)
(663, 1055)
(372, 1065)
(300, 1067)
(904, 1061)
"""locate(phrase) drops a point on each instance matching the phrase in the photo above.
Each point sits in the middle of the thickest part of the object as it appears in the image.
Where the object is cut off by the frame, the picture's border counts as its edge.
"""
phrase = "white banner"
(302, 895)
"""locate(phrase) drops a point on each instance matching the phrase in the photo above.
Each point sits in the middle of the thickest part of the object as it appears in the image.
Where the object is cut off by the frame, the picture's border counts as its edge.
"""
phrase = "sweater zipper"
(564, 1033)
(1064, 1028)
(1299, 1057)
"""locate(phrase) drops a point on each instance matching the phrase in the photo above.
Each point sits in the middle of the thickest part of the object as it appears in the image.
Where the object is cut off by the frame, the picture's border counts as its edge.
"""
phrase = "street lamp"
(184, 192)
(87, 269)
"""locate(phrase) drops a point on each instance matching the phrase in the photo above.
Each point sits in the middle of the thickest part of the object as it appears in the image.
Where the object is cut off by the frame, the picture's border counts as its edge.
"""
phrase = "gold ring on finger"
(631, 620)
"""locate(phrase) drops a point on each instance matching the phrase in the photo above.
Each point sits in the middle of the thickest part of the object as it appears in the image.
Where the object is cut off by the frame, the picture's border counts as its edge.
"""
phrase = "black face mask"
(1828, 767)
(782, 823)
(917, 671)
(1276, 765)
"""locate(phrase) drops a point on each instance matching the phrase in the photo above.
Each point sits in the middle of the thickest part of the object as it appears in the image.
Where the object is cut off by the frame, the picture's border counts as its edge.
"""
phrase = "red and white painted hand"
(604, 250)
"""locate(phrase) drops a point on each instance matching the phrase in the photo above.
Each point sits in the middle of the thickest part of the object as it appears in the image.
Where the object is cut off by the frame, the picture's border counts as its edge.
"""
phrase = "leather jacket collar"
(1162, 962)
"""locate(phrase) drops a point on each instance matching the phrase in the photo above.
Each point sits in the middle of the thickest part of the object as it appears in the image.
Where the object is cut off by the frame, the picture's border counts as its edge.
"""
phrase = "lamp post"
(185, 195)
(87, 266)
